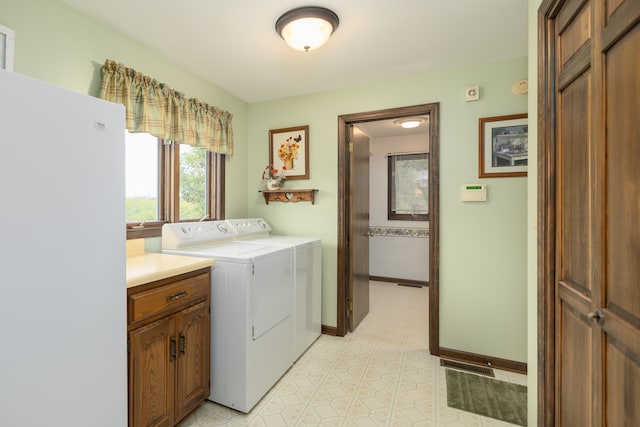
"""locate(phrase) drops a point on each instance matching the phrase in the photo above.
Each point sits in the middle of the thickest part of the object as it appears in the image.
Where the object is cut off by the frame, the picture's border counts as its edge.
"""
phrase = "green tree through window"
(193, 189)
(170, 182)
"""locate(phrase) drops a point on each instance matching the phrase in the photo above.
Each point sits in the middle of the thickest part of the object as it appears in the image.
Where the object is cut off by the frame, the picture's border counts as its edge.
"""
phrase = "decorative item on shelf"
(273, 184)
(272, 177)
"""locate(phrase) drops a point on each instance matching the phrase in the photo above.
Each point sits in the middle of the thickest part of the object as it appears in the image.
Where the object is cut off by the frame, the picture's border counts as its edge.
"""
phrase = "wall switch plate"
(472, 93)
(474, 193)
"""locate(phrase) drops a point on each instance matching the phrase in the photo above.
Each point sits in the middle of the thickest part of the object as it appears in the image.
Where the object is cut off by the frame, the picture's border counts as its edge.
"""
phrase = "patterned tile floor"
(380, 375)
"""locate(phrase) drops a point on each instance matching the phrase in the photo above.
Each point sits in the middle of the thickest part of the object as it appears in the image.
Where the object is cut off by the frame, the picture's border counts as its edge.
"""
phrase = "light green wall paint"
(532, 221)
(303, 218)
(483, 245)
(57, 44)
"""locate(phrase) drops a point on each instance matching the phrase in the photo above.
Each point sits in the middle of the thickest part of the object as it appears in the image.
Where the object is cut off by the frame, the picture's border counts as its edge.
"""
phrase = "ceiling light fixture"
(409, 123)
(307, 28)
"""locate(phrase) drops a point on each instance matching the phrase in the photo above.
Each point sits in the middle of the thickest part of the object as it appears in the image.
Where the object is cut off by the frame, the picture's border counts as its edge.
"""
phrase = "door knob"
(596, 315)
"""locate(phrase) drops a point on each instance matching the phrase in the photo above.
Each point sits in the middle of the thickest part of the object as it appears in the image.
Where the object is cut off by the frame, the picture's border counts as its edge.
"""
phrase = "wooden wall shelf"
(287, 196)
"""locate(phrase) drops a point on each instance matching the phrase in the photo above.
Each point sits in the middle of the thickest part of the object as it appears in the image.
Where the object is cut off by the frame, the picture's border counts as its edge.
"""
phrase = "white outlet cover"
(472, 93)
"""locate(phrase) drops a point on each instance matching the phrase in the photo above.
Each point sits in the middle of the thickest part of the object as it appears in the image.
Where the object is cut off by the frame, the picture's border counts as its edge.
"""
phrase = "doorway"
(347, 297)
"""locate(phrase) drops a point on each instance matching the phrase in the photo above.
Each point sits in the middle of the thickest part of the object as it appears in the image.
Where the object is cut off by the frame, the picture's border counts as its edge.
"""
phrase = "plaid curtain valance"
(154, 108)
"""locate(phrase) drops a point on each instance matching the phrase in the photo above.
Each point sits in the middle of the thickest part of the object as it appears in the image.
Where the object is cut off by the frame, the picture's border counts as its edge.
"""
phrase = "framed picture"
(7, 48)
(289, 151)
(503, 147)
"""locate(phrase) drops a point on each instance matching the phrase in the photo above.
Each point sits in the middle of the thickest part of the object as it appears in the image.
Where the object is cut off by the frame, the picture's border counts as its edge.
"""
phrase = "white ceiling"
(387, 128)
(233, 44)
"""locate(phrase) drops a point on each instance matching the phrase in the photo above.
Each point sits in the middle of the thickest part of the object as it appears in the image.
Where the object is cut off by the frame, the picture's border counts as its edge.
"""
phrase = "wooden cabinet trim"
(168, 298)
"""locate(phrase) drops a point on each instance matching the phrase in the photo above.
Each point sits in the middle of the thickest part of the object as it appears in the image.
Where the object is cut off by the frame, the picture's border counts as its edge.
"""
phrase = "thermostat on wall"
(474, 193)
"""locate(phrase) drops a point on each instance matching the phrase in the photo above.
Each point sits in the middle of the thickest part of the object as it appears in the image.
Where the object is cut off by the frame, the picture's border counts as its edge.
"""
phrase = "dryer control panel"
(185, 234)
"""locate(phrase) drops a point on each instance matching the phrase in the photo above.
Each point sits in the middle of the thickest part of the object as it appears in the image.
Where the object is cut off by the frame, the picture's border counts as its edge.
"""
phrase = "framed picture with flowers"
(289, 151)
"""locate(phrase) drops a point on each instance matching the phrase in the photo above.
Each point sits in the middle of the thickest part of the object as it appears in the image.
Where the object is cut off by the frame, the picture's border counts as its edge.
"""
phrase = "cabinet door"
(152, 374)
(193, 358)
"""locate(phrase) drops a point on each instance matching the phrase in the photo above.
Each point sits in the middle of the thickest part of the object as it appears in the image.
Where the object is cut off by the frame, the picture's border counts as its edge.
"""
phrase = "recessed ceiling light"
(409, 123)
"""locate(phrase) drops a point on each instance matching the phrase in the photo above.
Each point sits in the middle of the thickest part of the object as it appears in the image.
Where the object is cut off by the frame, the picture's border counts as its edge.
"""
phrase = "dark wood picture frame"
(503, 146)
(283, 151)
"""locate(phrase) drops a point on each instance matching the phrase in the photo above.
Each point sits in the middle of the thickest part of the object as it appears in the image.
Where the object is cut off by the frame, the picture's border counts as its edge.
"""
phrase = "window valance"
(154, 108)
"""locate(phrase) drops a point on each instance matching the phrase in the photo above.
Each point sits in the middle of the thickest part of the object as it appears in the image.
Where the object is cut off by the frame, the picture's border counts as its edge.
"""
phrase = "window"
(408, 192)
(193, 183)
(142, 178)
(170, 182)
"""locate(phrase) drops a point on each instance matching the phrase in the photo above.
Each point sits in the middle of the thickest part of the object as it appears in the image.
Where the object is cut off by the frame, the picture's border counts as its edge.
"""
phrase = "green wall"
(532, 218)
(55, 43)
(483, 282)
(483, 245)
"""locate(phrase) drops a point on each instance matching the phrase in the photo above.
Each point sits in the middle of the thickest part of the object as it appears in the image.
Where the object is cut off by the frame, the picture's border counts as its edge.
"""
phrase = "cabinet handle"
(182, 344)
(176, 296)
(172, 349)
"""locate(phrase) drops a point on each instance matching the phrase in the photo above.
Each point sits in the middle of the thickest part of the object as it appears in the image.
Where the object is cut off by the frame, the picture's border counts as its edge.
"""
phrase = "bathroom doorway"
(351, 222)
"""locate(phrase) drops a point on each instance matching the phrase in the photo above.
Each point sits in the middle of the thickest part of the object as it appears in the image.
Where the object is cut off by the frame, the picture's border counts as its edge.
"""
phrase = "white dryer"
(307, 290)
(251, 309)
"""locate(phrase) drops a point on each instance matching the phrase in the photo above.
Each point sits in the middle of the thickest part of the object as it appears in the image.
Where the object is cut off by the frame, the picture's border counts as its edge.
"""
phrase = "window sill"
(151, 230)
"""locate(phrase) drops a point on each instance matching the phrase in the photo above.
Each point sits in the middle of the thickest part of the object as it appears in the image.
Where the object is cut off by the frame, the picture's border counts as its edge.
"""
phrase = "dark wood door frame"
(344, 121)
(546, 224)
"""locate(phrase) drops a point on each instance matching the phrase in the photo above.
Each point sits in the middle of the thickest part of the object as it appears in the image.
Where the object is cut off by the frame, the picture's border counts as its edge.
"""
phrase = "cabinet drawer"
(168, 297)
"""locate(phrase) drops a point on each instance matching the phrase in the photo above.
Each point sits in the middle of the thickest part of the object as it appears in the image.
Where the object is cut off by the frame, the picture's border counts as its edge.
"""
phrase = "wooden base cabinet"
(192, 386)
(151, 375)
(169, 347)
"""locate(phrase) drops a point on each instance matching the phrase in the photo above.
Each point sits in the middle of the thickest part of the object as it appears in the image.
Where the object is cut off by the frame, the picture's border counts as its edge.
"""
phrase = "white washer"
(307, 290)
(251, 309)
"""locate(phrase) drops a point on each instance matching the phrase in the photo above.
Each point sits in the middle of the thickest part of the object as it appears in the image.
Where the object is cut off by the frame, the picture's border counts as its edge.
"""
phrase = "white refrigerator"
(63, 348)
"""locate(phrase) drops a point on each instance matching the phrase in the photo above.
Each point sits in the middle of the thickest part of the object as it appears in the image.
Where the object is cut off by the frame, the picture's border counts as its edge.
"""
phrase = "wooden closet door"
(576, 286)
(590, 178)
(619, 55)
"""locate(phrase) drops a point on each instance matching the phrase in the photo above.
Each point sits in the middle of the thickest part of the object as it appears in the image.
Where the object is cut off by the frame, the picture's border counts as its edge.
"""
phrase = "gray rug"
(488, 397)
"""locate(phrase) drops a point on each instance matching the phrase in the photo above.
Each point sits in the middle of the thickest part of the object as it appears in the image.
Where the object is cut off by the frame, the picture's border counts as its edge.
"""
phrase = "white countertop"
(149, 267)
